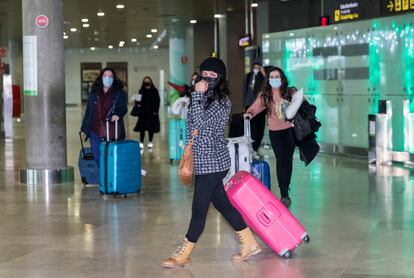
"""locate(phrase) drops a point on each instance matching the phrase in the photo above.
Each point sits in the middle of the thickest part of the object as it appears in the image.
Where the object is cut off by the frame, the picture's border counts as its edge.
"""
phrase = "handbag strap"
(193, 135)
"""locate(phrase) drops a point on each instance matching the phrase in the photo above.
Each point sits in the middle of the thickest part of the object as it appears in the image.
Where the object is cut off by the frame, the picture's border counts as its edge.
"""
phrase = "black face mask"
(147, 84)
(212, 82)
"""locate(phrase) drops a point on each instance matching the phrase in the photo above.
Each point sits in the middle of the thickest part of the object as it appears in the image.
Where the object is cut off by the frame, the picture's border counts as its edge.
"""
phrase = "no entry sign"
(42, 21)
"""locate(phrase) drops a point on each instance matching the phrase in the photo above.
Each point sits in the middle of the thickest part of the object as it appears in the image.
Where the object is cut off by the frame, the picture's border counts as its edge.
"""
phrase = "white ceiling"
(134, 21)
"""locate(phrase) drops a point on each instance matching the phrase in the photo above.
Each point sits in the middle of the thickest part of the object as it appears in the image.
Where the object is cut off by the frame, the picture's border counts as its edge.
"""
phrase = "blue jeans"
(95, 144)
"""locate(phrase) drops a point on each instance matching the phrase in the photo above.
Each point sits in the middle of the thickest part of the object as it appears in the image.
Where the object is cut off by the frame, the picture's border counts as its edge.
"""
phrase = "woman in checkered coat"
(208, 113)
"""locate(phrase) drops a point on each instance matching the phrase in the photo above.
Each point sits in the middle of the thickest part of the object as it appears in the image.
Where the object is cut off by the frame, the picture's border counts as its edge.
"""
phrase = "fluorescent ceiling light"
(65, 37)
(110, 46)
(120, 6)
(85, 20)
(93, 48)
(100, 14)
(193, 21)
(254, 5)
(149, 36)
(134, 40)
(85, 25)
(73, 29)
(154, 30)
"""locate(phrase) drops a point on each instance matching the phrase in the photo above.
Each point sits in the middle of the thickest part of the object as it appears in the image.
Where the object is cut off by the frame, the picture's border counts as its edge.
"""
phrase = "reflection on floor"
(361, 224)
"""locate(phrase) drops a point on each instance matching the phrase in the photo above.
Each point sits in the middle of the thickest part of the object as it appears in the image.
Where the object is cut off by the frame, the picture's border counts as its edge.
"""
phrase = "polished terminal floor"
(361, 224)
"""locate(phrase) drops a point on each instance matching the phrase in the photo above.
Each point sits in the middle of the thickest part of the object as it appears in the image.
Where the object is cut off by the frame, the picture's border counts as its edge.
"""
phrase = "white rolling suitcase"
(241, 152)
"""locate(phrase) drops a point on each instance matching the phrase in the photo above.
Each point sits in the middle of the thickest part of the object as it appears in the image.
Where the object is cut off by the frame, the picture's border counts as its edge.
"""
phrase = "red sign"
(184, 60)
(324, 20)
(2, 68)
(42, 21)
(3, 52)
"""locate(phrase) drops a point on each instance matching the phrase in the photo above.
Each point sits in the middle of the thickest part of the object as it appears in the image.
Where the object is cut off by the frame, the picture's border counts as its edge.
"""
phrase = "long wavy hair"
(98, 84)
(285, 91)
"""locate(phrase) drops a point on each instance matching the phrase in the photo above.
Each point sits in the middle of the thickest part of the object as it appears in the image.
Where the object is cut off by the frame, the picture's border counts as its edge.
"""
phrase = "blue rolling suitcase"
(120, 166)
(89, 171)
(261, 170)
(176, 138)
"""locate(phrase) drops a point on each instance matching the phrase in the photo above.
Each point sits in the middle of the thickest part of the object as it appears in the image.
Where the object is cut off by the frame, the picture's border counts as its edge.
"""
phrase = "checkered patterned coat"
(210, 152)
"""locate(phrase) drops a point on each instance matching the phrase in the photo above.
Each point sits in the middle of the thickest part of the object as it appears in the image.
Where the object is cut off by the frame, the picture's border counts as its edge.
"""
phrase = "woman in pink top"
(275, 98)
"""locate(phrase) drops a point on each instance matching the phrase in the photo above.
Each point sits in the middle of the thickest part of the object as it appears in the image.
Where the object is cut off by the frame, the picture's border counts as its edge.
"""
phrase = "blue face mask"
(107, 81)
(276, 83)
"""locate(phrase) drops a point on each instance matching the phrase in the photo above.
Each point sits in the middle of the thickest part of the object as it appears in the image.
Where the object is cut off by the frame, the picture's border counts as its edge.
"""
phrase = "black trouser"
(257, 127)
(283, 144)
(209, 188)
(142, 135)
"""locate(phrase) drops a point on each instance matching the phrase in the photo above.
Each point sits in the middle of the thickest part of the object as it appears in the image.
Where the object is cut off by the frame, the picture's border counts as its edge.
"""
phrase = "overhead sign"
(347, 11)
(42, 21)
(3, 52)
(244, 40)
(397, 6)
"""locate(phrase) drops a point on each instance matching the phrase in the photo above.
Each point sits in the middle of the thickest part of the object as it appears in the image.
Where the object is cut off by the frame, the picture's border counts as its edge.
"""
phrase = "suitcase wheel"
(287, 255)
(84, 181)
(306, 239)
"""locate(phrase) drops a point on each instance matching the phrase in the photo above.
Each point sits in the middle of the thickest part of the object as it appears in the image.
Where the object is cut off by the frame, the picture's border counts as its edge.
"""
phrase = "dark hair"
(220, 92)
(98, 84)
(284, 88)
(152, 87)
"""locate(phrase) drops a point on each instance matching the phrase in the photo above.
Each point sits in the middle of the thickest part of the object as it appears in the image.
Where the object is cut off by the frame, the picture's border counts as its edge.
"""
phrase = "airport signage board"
(394, 7)
(347, 11)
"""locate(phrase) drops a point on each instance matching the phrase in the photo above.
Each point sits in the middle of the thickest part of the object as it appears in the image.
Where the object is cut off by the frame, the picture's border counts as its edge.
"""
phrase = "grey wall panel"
(355, 49)
(356, 73)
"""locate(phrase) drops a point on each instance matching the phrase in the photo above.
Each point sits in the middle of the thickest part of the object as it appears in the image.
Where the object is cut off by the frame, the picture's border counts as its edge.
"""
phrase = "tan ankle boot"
(248, 246)
(181, 256)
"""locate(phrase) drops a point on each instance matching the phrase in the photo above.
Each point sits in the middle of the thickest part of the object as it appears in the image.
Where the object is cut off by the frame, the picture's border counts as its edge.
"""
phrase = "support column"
(178, 57)
(44, 90)
(16, 61)
(2, 43)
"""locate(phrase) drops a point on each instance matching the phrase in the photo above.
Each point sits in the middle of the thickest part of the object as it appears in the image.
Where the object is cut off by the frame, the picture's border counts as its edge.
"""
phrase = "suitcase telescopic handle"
(107, 130)
(247, 131)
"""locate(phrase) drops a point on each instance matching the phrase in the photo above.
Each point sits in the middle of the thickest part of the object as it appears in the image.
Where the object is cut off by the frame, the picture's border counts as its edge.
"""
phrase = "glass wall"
(345, 69)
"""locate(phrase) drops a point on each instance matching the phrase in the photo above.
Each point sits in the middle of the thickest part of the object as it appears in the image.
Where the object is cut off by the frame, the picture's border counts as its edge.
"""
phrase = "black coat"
(119, 104)
(258, 86)
(308, 148)
(148, 119)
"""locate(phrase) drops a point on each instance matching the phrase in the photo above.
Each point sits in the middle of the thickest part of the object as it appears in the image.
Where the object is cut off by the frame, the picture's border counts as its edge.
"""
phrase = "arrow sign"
(391, 6)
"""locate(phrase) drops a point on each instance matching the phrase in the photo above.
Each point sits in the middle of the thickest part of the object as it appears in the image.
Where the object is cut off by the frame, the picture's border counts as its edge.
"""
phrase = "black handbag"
(136, 111)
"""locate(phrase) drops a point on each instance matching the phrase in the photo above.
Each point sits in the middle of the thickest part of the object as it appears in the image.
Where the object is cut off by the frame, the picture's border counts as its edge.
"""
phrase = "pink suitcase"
(265, 214)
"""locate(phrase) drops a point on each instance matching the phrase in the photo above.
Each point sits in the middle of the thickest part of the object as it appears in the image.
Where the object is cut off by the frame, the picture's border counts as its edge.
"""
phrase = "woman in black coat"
(148, 119)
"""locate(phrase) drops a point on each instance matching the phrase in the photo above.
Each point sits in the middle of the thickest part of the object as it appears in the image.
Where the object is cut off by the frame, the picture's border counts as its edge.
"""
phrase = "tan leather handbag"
(185, 169)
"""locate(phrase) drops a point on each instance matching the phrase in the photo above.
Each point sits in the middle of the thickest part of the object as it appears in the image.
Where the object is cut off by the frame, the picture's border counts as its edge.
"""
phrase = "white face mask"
(256, 71)
(276, 83)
